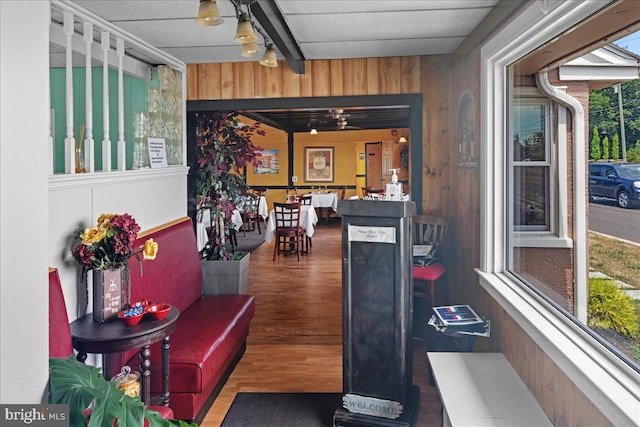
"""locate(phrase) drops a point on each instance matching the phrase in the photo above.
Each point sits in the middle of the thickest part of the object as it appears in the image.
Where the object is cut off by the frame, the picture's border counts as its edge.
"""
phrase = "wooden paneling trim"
(192, 81)
(335, 77)
(321, 78)
(354, 77)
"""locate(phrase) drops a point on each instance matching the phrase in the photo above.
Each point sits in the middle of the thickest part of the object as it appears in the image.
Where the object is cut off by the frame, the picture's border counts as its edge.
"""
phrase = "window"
(531, 167)
(542, 287)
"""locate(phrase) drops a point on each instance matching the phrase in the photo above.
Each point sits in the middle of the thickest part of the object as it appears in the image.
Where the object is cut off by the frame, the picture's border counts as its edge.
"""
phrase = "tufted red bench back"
(174, 277)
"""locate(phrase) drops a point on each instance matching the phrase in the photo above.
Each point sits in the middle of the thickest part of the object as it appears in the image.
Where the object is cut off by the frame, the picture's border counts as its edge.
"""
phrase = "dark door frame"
(413, 101)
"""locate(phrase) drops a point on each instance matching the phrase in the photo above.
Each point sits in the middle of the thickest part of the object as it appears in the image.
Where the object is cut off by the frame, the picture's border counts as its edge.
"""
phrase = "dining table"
(308, 220)
(322, 200)
(204, 222)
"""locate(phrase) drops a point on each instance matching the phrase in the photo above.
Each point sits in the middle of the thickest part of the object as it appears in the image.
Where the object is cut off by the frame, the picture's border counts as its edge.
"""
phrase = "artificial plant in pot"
(224, 149)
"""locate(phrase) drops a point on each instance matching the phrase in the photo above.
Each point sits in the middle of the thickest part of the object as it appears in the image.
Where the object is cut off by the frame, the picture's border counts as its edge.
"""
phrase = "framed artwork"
(269, 163)
(318, 164)
(467, 151)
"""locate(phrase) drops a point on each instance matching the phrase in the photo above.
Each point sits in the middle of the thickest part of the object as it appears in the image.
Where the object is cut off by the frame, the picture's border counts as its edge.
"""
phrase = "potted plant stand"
(225, 277)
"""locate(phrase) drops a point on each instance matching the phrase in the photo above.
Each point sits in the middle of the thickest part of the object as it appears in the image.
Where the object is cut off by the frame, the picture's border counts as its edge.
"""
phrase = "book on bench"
(459, 319)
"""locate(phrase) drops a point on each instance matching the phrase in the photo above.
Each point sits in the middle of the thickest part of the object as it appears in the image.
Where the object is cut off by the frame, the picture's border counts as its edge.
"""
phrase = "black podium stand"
(377, 312)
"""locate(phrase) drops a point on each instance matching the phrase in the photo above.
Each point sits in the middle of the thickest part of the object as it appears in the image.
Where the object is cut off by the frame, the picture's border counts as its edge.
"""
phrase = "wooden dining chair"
(330, 212)
(305, 200)
(429, 230)
(261, 192)
(288, 232)
(250, 215)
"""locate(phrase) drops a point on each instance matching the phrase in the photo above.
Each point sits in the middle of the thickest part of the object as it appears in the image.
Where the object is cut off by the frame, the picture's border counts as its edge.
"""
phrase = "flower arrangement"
(109, 244)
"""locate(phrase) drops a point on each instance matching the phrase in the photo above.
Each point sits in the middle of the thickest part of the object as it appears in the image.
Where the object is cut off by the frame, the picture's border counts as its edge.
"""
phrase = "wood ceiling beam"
(271, 20)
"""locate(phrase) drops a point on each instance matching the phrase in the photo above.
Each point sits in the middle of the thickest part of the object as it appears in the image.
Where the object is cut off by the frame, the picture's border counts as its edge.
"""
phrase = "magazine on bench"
(424, 255)
(458, 318)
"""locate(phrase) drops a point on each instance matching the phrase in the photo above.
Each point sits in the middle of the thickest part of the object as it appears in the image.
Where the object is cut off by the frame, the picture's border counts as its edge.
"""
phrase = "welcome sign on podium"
(377, 306)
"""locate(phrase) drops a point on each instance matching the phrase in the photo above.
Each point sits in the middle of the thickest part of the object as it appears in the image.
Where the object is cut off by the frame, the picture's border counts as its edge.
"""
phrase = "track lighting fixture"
(208, 14)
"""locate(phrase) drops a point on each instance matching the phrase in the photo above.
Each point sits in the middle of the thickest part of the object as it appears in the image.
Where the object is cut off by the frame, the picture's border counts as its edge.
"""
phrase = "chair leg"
(257, 220)
(276, 247)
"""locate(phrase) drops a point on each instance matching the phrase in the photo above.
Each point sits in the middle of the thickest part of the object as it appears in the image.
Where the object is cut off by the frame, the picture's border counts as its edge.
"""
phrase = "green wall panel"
(135, 99)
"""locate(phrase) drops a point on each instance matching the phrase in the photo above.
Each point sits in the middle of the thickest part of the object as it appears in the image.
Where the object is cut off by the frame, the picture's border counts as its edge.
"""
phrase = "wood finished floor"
(295, 341)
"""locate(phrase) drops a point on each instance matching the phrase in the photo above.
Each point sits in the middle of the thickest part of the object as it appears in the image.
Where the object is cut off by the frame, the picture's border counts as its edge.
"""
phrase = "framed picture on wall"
(318, 164)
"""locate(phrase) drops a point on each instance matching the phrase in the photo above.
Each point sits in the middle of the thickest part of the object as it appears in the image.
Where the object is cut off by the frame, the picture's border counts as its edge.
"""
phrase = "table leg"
(106, 366)
(165, 371)
(145, 366)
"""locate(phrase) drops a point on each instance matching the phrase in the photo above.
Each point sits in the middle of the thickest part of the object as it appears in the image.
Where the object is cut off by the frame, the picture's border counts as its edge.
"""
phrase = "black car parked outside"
(618, 181)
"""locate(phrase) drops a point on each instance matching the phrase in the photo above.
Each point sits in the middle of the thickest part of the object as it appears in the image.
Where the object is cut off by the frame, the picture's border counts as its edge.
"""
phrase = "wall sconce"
(313, 131)
(208, 14)
(402, 140)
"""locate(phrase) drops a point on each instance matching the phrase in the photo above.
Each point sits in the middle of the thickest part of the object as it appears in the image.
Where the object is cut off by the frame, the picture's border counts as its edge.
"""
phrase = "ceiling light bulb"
(245, 33)
(269, 58)
(208, 14)
(250, 49)
(314, 131)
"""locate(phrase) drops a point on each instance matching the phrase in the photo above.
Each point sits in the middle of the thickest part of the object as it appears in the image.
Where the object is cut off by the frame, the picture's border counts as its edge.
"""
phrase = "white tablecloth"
(204, 222)
(324, 200)
(308, 220)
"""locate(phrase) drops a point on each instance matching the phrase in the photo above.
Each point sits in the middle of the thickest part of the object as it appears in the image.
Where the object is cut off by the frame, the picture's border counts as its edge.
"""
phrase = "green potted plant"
(224, 149)
(93, 401)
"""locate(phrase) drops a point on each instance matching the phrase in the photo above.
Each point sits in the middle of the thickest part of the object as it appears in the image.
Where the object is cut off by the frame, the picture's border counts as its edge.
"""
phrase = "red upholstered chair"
(60, 344)
(429, 230)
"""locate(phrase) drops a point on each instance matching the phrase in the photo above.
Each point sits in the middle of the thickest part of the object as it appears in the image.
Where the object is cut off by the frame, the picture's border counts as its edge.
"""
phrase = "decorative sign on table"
(157, 153)
(108, 294)
(358, 233)
(372, 406)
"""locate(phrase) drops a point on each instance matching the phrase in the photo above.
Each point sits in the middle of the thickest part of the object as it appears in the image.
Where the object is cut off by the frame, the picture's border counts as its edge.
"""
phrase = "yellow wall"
(347, 145)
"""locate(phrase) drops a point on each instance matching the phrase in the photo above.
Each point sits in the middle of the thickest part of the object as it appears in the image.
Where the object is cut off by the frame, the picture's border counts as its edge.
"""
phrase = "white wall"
(24, 110)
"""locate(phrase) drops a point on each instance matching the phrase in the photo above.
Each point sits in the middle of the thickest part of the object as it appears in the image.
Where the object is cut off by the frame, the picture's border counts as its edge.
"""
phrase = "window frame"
(605, 379)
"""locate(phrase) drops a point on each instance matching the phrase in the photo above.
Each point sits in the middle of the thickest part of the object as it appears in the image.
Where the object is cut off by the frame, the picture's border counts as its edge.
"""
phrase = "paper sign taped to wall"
(359, 233)
(157, 153)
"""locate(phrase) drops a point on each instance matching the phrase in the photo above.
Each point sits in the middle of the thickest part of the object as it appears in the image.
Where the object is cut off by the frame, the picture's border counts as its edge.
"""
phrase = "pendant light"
(269, 58)
(245, 33)
(208, 14)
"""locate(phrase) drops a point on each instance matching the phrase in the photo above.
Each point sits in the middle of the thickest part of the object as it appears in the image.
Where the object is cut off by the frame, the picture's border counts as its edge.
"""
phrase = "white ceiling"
(323, 29)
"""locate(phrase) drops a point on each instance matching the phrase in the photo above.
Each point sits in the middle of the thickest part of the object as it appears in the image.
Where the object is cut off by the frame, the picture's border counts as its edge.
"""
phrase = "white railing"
(79, 153)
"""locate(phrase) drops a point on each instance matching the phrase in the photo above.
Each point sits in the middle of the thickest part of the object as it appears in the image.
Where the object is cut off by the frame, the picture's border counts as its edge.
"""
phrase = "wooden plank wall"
(561, 399)
(349, 77)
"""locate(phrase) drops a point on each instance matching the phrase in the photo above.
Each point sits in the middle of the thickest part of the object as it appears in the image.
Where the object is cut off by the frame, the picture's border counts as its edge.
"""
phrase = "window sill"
(541, 240)
(607, 381)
